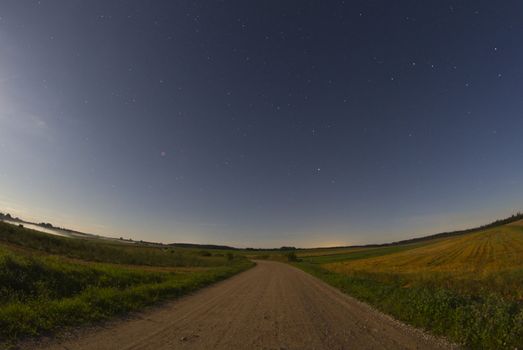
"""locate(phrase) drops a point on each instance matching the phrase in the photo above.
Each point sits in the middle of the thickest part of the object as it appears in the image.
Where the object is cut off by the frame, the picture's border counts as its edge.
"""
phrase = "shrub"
(292, 257)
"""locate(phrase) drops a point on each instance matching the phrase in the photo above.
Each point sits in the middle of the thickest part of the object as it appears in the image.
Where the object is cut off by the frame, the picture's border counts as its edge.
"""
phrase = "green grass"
(42, 293)
(109, 252)
(478, 322)
(468, 288)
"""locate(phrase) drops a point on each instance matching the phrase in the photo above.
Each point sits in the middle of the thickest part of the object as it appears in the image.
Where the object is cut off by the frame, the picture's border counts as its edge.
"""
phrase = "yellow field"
(487, 260)
(488, 251)
(517, 223)
(329, 251)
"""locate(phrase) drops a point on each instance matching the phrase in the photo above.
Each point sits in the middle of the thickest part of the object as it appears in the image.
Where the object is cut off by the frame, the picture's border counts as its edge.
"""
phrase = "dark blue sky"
(261, 123)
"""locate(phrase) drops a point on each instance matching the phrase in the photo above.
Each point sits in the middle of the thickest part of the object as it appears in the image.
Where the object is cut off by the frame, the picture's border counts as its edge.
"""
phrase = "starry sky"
(261, 123)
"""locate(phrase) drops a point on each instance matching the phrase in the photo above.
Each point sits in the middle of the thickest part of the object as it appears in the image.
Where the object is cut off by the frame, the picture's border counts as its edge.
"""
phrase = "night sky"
(261, 123)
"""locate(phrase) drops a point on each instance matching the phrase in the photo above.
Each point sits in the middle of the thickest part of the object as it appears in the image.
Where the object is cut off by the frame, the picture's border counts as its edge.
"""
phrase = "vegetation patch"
(42, 293)
(468, 288)
(104, 251)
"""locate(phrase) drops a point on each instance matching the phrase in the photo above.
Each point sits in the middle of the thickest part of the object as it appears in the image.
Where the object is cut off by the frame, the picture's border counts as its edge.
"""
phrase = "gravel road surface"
(271, 306)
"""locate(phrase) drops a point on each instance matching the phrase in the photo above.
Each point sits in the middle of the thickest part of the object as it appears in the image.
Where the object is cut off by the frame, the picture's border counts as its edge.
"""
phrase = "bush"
(292, 257)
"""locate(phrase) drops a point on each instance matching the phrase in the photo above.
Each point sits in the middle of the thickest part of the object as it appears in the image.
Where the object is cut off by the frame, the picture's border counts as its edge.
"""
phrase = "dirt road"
(272, 306)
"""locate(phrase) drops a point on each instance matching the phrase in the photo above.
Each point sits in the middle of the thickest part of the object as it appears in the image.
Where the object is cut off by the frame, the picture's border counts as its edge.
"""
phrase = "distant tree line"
(513, 218)
(8, 216)
(202, 246)
(272, 249)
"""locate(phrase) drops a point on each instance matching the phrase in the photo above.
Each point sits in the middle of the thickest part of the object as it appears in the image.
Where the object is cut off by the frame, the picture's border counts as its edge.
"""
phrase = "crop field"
(49, 283)
(490, 260)
(354, 253)
(467, 287)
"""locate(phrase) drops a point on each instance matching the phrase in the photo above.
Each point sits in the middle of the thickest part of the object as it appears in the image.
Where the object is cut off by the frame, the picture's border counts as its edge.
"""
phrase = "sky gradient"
(261, 123)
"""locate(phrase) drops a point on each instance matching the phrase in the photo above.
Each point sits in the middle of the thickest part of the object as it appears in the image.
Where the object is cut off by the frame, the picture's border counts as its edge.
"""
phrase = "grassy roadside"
(43, 293)
(478, 322)
(467, 288)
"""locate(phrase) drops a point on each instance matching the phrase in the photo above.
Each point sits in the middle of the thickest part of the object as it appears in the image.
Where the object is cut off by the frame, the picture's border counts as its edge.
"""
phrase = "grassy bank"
(42, 292)
(105, 251)
(468, 288)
